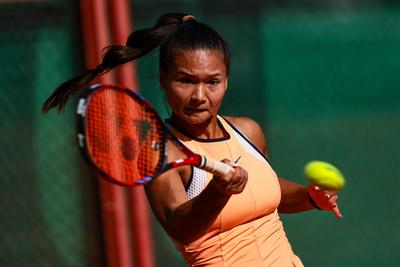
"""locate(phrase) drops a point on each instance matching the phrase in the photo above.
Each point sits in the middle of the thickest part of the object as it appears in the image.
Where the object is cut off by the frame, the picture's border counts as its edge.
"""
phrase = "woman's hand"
(324, 199)
(232, 182)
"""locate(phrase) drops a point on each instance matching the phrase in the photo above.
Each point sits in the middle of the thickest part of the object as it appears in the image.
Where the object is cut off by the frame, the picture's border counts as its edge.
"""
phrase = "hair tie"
(188, 18)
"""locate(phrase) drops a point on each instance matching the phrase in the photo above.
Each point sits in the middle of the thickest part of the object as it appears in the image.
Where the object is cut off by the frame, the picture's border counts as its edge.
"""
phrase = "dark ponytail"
(139, 43)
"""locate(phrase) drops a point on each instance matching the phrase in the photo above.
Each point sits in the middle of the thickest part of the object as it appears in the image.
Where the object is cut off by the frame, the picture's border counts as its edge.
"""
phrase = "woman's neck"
(209, 129)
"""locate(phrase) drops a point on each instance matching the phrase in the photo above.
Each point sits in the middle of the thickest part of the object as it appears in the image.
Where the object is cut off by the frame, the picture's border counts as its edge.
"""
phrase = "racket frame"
(194, 159)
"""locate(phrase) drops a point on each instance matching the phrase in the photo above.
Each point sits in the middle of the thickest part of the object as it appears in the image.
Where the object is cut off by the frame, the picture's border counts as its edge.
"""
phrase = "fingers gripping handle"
(215, 167)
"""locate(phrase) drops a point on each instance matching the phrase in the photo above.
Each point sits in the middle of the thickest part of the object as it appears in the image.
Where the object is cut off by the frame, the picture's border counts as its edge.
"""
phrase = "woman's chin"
(198, 118)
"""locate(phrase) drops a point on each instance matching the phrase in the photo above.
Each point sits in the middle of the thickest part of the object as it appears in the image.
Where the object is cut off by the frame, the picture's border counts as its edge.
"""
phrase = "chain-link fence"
(48, 214)
(333, 94)
(321, 79)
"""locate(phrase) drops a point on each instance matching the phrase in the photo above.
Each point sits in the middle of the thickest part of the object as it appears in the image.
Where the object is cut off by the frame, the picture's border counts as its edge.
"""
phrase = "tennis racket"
(123, 138)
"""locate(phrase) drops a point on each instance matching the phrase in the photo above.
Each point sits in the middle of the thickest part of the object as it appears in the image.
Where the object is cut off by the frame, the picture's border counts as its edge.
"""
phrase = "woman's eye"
(186, 80)
(213, 82)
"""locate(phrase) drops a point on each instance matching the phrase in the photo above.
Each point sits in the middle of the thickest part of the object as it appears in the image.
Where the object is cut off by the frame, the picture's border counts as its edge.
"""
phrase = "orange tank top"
(248, 231)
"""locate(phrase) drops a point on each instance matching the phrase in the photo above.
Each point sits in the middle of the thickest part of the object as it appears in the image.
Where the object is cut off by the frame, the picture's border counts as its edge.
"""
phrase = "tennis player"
(229, 220)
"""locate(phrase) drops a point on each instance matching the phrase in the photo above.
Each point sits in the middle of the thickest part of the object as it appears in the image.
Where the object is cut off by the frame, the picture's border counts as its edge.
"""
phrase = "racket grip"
(215, 167)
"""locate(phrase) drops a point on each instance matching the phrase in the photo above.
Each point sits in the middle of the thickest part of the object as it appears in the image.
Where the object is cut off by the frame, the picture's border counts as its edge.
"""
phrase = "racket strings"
(125, 139)
(149, 153)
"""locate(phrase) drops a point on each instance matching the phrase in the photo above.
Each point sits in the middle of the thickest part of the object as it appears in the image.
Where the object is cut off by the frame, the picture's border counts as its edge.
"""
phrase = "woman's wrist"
(313, 203)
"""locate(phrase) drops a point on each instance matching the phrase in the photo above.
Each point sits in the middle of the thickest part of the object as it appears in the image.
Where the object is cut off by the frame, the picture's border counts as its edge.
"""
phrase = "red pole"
(121, 22)
(126, 75)
(112, 197)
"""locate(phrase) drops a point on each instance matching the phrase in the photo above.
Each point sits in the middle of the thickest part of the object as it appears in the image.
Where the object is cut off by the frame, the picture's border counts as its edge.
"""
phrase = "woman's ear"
(226, 84)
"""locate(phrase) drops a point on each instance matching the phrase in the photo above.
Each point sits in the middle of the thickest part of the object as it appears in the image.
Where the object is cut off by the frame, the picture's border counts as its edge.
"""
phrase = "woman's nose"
(199, 93)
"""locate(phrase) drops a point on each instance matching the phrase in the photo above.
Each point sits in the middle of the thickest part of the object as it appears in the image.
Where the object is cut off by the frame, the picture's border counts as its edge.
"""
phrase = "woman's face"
(195, 84)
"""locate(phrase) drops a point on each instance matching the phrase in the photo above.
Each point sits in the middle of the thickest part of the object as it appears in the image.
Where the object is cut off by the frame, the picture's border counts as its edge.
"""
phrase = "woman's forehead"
(199, 58)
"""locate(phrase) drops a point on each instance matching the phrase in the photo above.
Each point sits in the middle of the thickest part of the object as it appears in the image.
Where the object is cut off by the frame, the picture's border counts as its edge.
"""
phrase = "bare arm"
(294, 197)
(186, 220)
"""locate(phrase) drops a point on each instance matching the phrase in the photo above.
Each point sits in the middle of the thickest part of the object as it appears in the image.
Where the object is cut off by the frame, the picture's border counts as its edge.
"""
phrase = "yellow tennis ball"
(324, 175)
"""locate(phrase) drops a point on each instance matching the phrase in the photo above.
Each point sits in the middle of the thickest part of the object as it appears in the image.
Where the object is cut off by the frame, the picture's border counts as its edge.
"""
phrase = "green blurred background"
(321, 78)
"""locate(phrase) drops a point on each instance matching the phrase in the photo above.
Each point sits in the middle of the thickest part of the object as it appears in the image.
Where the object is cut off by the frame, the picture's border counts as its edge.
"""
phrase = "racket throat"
(194, 160)
(203, 162)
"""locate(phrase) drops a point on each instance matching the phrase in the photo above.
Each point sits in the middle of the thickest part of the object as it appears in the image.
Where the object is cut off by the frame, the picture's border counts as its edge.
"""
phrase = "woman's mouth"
(194, 110)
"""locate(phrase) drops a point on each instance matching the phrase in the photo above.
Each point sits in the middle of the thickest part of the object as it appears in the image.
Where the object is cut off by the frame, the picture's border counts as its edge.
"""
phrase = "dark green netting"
(321, 79)
(319, 76)
(48, 210)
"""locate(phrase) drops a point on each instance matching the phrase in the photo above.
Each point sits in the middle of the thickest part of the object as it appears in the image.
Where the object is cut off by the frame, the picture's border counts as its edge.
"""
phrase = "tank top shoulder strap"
(242, 138)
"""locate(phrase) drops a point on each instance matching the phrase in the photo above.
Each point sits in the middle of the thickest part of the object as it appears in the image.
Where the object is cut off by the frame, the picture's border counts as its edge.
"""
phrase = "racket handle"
(214, 166)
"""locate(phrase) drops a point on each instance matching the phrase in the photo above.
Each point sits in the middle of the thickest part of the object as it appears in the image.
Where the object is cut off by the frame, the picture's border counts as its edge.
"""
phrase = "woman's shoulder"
(251, 129)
